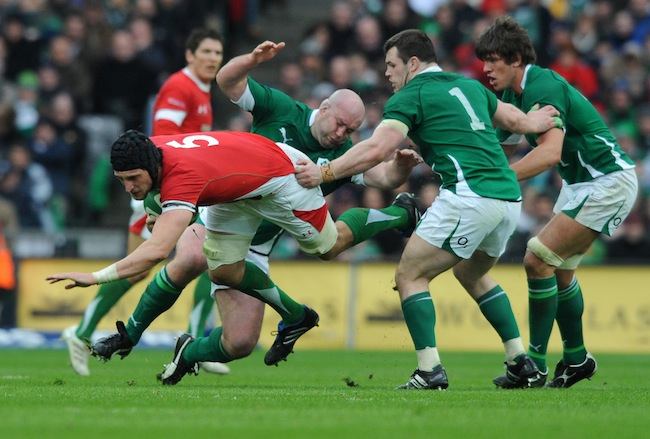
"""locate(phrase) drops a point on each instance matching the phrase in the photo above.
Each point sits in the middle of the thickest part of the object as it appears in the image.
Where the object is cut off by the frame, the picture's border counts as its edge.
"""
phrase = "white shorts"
(601, 204)
(462, 225)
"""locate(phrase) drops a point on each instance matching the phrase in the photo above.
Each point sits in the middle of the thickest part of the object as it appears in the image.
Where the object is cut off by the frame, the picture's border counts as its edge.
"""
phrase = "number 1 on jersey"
(475, 122)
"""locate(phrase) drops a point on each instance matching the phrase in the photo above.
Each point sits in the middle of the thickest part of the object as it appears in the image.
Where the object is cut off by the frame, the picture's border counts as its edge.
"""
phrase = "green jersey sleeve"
(553, 92)
(404, 107)
(268, 102)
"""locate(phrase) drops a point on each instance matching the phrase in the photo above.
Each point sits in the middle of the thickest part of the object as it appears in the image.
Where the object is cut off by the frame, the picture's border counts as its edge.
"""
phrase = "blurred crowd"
(74, 73)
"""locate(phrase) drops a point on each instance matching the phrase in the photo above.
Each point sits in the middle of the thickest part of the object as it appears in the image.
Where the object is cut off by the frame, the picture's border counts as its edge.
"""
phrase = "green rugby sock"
(542, 308)
(207, 349)
(420, 317)
(570, 306)
(366, 223)
(496, 308)
(257, 284)
(107, 296)
(203, 305)
(158, 297)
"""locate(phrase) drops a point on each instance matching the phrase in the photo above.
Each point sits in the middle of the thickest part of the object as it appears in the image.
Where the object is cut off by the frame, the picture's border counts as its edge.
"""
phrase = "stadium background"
(69, 85)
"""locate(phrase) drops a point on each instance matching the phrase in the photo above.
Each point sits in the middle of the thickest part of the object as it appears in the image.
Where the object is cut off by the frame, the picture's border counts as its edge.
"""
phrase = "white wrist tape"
(107, 274)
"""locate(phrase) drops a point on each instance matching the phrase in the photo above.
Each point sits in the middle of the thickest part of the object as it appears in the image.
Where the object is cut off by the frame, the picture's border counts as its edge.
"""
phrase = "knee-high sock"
(542, 307)
(207, 348)
(158, 297)
(420, 317)
(496, 308)
(570, 306)
(203, 305)
(107, 296)
(257, 284)
(366, 223)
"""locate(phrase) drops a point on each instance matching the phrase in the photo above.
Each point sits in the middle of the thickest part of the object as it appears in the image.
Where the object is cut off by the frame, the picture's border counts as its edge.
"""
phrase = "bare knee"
(239, 345)
(535, 267)
(228, 274)
(189, 262)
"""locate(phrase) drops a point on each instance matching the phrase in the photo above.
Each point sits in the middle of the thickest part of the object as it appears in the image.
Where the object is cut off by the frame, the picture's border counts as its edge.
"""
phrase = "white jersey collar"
(200, 84)
(312, 116)
(430, 69)
(523, 78)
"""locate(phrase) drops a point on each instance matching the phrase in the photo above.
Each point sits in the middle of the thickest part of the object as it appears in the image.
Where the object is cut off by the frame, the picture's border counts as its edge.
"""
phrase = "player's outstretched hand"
(407, 158)
(308, 173)
(266, 51)
(78, 279)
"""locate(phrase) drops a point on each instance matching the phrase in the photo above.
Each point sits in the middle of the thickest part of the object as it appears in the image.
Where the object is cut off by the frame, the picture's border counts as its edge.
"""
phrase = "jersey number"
(475, 122)
(188, 142)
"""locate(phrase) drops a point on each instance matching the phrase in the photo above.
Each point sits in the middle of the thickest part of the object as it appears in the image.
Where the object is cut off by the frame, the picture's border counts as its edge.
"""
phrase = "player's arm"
(167, 230)
(547, 154)
(232, 77)
(511, 118)
(393, 173)
(364, 155)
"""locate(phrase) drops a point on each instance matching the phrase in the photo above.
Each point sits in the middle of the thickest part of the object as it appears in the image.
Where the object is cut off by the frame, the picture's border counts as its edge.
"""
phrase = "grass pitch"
(317, 394)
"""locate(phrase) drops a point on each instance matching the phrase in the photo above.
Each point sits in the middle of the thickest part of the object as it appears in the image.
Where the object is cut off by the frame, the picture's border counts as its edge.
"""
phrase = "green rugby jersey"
(449, 117)
(284, 119)
(589, 149)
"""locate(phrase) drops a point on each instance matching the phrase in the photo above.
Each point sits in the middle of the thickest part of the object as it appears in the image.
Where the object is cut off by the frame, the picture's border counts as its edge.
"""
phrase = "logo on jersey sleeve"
(176, 102)
(285, 139)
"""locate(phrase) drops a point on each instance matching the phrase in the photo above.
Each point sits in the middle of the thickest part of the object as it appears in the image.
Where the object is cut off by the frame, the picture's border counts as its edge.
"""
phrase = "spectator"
(27, 186)
(26, 103)
(578, 73)
(123, 84)
(22, 51)
(341, 29)
(74, 74)
(369, 41)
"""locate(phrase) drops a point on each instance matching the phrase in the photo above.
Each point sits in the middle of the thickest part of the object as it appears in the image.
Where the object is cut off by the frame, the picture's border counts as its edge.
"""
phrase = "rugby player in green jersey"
(450, 118)
(599, 188)
(322, 134)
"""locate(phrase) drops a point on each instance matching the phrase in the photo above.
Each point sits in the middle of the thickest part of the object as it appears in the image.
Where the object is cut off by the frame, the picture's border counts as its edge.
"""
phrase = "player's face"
(396, 69)
(206, 60)
(500, 74)
(334, 126)
(137, 182)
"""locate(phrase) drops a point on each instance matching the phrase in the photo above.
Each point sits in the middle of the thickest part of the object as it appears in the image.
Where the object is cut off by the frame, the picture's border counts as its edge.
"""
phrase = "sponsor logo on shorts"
(462, 241)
